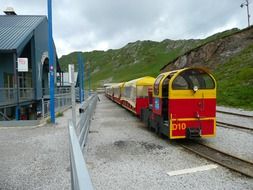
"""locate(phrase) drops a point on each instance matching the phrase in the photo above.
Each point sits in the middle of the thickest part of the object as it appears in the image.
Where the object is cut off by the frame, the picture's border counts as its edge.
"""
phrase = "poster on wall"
(22, 64)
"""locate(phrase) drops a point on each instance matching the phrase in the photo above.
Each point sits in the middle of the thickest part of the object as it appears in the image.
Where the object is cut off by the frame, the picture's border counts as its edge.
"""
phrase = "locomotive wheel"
(149, 124)
(158, 130)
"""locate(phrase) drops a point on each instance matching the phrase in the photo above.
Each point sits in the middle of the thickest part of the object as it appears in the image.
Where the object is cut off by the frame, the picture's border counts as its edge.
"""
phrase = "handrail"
(9, 95)
(79, 174)
(80, 178)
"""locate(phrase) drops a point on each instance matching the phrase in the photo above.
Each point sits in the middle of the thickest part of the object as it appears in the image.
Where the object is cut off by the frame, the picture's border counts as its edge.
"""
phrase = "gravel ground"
(233, 119)
(35, 157)
(235, 110)
(123, 154)
(233, 141)
(237, 143)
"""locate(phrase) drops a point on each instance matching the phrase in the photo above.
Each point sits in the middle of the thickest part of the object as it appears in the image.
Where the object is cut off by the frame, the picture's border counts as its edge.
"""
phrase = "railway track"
(244, 116)
(235, 114)
(229, 125)
(229, 161)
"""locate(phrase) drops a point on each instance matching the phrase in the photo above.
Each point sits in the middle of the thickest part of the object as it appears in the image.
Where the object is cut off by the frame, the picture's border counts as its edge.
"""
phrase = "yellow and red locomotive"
(178, 104)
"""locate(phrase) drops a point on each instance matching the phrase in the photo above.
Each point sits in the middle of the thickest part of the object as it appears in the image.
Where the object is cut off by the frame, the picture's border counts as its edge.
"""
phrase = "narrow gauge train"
(132, 95)
(178, 104)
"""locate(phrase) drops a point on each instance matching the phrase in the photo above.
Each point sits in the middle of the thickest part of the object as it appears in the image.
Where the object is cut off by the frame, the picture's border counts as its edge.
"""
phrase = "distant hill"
(142, 58)
(133, 60)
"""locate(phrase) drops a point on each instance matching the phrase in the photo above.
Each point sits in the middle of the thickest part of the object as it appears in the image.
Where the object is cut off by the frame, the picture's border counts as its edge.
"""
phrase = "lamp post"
(246, 3)
(51, 60)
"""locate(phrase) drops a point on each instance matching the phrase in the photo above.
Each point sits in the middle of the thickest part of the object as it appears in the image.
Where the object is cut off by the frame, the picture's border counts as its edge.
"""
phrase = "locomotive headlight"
(195, 88)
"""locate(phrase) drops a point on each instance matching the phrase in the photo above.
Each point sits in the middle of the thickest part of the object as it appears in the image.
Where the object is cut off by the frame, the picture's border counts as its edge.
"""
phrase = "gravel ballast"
(122, 154)
(236, 120)
(234, 142)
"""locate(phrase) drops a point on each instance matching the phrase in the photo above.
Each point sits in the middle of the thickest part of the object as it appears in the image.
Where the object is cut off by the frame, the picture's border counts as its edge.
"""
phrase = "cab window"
(193, 78)
(156, 85)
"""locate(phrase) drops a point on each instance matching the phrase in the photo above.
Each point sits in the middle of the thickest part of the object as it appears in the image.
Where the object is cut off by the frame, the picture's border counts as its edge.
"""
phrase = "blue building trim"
(28, 35)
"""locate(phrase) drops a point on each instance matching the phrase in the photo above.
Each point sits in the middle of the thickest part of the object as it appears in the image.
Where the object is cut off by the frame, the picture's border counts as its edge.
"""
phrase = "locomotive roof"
(184, 69)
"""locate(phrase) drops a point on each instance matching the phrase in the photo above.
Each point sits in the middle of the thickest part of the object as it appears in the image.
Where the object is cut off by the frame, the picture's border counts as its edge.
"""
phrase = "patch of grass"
(235, 80)
(59, 114)
(48, 121)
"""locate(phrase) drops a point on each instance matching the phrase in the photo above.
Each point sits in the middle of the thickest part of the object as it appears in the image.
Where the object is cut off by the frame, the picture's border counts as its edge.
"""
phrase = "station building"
(21, 92)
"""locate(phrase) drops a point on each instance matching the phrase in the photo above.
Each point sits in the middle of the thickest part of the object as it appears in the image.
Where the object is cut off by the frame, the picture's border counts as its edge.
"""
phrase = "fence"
(9, 95)
(80, 178)
(61, 102)
(57, 91)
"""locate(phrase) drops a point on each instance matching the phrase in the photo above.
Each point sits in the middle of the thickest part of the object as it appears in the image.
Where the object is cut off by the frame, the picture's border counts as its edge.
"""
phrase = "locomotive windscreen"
(191, 78)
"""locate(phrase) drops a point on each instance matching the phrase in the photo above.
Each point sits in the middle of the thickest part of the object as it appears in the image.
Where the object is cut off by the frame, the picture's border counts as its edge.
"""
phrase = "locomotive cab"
(184, 104)
(192, 104)
(160, 108)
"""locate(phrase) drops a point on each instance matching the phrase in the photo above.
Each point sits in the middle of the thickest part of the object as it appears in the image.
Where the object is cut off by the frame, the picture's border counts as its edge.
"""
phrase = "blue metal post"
(89, 80)
(51, 60)
(17, 113)
(80, 74)
(79, 77)
(83, 74)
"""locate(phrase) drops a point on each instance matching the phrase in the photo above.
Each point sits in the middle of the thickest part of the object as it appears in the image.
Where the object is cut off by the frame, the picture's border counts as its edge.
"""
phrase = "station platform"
(123, 154)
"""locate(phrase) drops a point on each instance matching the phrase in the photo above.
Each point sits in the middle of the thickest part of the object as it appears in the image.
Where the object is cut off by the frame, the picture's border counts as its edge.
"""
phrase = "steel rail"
(236, 114)
(227, 160)
(230, 125)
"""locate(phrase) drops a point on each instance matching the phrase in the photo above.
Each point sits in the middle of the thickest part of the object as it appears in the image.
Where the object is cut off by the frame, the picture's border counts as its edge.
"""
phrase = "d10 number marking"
(179, 126)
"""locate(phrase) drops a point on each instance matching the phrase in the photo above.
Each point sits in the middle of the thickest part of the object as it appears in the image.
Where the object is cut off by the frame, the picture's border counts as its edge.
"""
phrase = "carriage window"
(142, 91)
(156, 85)
(190, 78)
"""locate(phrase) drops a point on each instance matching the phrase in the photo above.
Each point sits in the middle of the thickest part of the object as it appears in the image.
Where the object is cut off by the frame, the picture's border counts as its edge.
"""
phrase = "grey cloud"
(88, 24)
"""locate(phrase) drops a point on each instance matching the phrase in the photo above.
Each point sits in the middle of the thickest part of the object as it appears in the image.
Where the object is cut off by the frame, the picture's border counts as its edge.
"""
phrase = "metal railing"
(26, 94)
(80, 178)
(57, 91)
(4, 117)
(61, 102)
(9, 95)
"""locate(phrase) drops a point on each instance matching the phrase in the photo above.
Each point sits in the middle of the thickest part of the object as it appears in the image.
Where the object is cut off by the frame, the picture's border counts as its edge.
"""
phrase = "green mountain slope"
(234, 75)
(235, 80)
(133, 60)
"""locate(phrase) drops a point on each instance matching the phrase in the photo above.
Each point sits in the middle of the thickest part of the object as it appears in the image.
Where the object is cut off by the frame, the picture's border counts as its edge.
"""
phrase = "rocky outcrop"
(213, 53)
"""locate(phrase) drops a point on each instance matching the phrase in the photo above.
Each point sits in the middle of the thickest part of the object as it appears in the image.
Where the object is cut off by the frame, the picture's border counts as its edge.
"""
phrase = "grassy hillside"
(234, 78)
(133, 60)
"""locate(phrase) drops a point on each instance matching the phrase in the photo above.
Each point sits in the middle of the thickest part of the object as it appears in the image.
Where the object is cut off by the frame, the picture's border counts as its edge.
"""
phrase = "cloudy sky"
(86, 25)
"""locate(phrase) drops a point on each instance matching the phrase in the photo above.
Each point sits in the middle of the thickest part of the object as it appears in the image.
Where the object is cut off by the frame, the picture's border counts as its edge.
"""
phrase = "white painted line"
(192, 170)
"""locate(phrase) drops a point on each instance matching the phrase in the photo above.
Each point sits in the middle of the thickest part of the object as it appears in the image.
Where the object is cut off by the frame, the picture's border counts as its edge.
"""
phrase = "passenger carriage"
(109, 92)
(135, 94)
(117, 92)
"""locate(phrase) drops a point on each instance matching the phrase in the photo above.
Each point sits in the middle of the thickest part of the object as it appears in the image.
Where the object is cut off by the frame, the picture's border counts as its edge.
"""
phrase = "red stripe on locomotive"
(192, 108)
